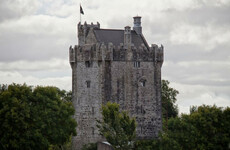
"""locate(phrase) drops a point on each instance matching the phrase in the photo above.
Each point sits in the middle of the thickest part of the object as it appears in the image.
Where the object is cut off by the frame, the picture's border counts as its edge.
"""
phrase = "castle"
(117, 66)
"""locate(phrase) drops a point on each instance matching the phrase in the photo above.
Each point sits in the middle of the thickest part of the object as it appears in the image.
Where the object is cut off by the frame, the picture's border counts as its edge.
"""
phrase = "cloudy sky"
(35, 37)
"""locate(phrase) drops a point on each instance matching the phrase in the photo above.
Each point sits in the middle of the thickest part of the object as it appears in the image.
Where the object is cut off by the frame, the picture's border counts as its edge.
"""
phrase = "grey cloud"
(208, 73)
(191, 95)
(51, 74)
(187, 52)
(119, 22)
(158, 28)
(201, 15)
(10, 9)
(29, 47)
(217, 15)
(93, 6)
(36, 39)
(9, 77)
(30, 66)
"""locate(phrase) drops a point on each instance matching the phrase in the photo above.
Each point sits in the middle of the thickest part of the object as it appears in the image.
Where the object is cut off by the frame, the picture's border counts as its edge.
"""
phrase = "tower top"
(137, 24)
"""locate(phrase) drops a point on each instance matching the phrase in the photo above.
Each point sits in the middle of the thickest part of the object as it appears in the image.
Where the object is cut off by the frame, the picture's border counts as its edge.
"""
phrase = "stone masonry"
(117, 66)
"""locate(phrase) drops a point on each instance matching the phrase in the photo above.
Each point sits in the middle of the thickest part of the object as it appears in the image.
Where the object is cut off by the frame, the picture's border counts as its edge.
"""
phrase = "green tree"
(205, 128)
(182, 132)
(212, 123)
(169, 108)
(89, 146)
(164, 142)
(65, 95)
(117, 127)
(34, 118)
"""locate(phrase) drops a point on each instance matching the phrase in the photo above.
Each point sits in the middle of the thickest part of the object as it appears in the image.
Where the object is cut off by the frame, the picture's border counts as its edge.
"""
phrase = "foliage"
(182, 132)
(212, 125)
(205, 128)
(90, 146)
(163, 143)
(34, 118)
(65, 96)
(117, 127)
(169, 109)
(145, 144)
(65, 146)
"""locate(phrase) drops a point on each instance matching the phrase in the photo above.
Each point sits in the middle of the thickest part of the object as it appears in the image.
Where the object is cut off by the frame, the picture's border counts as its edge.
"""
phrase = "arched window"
(143, 82)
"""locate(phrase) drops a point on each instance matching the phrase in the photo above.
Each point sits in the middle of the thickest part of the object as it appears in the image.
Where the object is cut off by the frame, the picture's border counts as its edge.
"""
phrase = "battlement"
(158, 53)
(87, 26)
(100, 52)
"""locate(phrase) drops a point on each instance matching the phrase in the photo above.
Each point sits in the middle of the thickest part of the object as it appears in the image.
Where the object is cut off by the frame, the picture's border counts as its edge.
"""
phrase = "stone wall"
(133, 87)
(87, 102)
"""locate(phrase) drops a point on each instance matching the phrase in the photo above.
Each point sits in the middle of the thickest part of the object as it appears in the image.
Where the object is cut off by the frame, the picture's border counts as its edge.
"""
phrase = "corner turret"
(83, 30)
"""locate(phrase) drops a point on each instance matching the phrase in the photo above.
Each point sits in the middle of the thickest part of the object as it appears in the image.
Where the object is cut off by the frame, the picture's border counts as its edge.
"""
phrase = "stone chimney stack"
(137, 24)
(127, 36)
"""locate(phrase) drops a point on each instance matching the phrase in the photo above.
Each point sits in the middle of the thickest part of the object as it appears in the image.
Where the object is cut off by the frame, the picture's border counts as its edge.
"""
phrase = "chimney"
(137, 24)
(127, 36)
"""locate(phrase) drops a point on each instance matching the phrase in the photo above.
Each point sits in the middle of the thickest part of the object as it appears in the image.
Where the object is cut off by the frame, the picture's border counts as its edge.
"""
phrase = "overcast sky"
(35, 36)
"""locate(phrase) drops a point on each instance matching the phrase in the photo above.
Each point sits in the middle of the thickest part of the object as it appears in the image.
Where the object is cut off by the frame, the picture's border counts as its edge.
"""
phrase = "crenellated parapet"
(158, 53)
(100, 52)
(72, 58)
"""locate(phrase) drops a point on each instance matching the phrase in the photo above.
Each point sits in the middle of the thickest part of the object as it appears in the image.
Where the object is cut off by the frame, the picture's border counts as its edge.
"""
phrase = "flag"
(81, 10)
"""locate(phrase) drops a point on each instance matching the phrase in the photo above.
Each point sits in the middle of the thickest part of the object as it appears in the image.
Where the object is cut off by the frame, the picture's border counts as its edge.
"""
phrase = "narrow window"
(137, 64)
(142, 110)
(79, 101)
(93, 110)
(87, 64)
(92, 130)
(88, 84)
(99, 63)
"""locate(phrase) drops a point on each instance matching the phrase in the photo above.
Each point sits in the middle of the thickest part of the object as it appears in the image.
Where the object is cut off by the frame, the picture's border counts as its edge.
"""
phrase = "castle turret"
(137, 24)
(83, 31)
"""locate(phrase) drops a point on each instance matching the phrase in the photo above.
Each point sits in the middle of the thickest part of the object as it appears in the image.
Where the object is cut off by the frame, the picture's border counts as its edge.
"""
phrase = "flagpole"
(80, 14)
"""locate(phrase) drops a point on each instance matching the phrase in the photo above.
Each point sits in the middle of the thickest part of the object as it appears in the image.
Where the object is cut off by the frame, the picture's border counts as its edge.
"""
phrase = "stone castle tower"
(117, 66)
